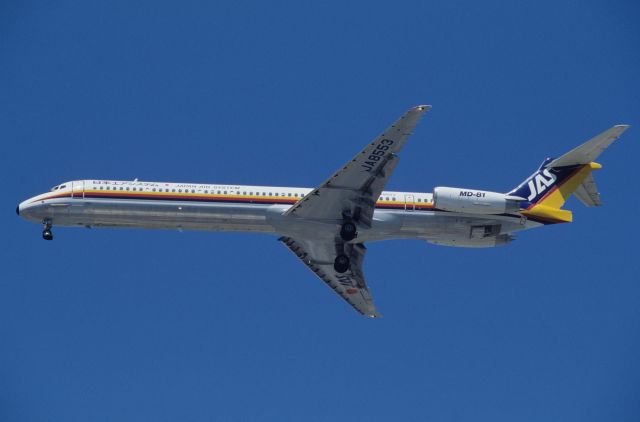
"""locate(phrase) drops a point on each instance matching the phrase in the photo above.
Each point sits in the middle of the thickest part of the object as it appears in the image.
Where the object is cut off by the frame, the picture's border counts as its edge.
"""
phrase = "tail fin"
(548, 188)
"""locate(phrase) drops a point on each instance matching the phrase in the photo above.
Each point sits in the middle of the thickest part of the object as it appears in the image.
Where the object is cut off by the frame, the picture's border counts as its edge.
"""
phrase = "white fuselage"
(159, 205)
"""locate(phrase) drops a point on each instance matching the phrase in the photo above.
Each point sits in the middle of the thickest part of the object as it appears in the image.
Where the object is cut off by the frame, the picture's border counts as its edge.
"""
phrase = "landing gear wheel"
(348, 231)
(46, 232)
(341, 264)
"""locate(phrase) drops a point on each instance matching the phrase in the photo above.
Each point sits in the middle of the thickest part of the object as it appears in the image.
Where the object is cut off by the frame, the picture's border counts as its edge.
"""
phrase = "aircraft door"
(409, 203)
(77, 189)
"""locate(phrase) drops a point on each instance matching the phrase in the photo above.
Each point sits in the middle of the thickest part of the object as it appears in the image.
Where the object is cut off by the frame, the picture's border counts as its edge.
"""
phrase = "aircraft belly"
(167, 215)
(386, 224)
(437, 225)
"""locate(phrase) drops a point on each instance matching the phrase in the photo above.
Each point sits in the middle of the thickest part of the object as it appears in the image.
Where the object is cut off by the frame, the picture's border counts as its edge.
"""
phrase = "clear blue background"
(105, 325)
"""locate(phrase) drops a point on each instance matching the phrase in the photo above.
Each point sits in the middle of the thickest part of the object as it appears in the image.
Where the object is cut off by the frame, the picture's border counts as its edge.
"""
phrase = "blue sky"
(107, 325)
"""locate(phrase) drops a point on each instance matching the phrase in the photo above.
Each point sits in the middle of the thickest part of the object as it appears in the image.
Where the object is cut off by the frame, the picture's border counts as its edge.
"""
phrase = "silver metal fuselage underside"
(435, 226)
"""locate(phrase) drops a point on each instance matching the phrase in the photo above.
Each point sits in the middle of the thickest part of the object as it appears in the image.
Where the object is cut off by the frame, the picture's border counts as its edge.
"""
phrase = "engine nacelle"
(473, 201)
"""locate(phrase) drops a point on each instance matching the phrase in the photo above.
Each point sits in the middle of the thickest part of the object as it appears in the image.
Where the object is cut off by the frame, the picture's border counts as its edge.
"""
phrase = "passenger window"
(225, 192)
(218, 192)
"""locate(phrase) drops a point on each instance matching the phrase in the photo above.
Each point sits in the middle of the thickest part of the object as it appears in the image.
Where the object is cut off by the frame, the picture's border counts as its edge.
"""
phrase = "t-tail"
(545, 191)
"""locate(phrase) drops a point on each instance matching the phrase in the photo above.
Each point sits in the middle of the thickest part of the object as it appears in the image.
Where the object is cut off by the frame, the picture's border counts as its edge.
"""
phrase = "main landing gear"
(341, 264)
(46, 232)
(348, 231)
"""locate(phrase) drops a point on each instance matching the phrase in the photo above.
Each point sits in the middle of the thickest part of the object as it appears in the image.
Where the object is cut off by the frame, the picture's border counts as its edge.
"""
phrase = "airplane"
(326, 227)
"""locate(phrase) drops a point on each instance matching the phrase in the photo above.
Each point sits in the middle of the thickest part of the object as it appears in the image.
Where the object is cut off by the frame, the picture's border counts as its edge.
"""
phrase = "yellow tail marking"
(558, 196)
(548, 213)
(549, 207)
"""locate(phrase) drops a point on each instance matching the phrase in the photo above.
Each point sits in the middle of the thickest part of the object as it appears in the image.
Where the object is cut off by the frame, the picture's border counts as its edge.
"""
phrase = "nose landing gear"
(46, 232)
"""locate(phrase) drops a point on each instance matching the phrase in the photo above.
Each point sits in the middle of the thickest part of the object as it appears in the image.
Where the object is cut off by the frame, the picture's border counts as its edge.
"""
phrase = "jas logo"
(540, 183)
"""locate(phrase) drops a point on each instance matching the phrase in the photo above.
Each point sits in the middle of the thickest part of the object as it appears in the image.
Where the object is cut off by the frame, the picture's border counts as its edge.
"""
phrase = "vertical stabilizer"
(550, 186)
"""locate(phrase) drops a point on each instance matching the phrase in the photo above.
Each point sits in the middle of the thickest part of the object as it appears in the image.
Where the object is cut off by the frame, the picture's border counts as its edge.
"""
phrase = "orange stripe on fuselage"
(248, 198)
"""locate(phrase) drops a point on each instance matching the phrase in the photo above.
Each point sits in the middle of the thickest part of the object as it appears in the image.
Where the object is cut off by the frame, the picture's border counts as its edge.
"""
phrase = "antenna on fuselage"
(135, 180)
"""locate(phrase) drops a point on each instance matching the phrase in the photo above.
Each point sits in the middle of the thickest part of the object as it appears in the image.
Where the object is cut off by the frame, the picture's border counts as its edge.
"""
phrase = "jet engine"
(474, 201)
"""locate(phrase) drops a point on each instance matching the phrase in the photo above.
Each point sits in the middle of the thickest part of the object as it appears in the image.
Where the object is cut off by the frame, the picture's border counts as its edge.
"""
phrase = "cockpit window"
(63, 186)
(54, 188)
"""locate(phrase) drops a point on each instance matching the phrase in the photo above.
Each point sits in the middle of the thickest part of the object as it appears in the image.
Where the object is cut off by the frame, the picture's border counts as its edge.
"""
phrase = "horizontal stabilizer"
(590, 150)
(587, 192)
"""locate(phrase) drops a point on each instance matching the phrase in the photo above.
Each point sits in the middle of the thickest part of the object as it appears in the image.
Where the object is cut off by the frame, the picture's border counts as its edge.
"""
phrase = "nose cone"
(24, 210)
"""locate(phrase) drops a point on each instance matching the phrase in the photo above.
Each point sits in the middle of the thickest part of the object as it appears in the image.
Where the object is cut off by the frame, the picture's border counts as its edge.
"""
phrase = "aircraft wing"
(353, 190)
(318, 256)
